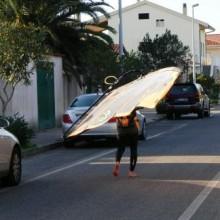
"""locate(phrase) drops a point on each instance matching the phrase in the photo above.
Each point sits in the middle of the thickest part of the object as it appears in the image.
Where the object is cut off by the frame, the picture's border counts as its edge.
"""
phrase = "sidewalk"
(45, 140)
(52, 138)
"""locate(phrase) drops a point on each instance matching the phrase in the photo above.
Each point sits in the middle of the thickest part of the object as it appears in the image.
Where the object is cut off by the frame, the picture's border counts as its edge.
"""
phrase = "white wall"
(71, 89)
(213, 56)
(203, 51)
(24, 100)
(58, 88)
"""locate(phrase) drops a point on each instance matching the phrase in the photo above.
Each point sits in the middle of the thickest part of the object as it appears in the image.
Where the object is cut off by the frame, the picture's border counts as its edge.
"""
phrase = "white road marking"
(61, 169)
(216, 111)
(194, 206)
(86, 160)
(167, 132)
(69, 166)
(92, 158)
(183, 159)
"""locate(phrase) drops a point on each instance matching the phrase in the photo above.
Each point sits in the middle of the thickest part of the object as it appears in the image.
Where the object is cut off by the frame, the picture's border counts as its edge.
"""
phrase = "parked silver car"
(10, 156)
(109, 130)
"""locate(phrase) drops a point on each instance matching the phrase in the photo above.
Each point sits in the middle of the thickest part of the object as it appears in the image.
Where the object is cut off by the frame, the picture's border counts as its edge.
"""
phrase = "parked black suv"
(184, 98)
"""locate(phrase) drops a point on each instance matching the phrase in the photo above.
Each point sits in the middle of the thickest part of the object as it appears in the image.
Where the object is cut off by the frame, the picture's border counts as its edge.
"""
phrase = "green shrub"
(19, 127)
(211, 88)
(215, 91)
(207, 83)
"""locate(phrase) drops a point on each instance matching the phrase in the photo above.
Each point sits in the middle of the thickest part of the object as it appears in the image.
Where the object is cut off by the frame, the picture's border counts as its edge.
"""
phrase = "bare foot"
(132, 174)
(115, 171)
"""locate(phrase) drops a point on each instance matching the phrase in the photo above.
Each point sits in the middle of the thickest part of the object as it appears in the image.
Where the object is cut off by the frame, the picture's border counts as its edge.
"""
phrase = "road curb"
(41, 149)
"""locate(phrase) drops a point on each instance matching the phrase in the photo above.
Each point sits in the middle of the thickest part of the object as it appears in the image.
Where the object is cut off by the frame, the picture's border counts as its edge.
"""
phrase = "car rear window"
(182, 89)
(84, 100)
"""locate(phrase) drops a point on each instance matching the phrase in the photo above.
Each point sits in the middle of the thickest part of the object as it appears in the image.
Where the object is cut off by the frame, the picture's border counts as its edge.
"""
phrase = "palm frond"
(66, 33)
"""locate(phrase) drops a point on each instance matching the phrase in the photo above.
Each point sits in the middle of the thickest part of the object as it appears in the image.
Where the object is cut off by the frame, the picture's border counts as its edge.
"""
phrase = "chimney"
(184, 9)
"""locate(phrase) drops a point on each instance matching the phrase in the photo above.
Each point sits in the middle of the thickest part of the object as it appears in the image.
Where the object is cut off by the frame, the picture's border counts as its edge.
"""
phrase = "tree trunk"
(6, 96)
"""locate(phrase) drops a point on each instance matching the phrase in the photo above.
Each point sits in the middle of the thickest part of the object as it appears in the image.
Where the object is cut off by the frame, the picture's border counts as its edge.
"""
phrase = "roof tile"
(213, 39)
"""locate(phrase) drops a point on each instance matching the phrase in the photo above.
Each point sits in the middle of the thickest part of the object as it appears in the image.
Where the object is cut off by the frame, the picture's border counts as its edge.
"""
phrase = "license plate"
(182, 100)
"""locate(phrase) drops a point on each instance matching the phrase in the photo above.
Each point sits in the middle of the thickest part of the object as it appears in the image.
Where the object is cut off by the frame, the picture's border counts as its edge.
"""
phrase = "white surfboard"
(143, 92)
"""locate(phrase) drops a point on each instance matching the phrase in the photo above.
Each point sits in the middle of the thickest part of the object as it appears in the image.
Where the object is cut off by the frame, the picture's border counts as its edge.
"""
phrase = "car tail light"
(67, 119)
(196, 97)
(112, 120)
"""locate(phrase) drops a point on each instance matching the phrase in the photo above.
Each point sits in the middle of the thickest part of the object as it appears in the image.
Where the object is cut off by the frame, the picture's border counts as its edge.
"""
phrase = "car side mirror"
(4, 123)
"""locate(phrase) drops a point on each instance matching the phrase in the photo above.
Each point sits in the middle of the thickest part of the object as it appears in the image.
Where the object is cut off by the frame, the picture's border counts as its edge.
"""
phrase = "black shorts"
(128, 139)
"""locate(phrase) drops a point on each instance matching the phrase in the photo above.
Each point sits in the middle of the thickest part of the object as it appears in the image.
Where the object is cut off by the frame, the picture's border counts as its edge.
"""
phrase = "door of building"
(45, 92)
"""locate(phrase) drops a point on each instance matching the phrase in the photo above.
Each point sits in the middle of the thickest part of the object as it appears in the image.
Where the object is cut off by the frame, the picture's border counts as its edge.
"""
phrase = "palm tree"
(66, 33)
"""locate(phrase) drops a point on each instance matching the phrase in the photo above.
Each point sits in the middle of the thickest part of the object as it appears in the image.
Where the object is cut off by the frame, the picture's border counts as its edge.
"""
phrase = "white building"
(146, 17)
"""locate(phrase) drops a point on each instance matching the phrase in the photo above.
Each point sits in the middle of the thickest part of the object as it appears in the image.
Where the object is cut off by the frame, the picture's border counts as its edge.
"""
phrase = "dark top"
(130, 129)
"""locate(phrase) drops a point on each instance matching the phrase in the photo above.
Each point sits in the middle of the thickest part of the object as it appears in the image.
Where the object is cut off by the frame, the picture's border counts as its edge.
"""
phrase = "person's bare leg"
(132, 174)
(119, 153)
(115, 171)
(133, 159)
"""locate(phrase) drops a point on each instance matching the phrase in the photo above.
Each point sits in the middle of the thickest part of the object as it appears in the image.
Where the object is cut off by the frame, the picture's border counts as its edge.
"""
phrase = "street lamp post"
(120, 29)
(193, 43)
(121, 52)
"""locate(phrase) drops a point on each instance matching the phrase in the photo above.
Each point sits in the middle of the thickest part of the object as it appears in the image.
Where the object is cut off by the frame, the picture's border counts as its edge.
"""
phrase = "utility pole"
(121, 52)
(193, 43)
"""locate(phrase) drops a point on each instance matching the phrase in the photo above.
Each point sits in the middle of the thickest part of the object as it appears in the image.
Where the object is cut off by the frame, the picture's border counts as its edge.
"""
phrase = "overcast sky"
(207, 11)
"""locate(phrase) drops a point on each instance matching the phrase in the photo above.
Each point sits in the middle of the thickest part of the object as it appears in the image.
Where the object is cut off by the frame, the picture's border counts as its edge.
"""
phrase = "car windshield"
(84, 100)
(182, 89)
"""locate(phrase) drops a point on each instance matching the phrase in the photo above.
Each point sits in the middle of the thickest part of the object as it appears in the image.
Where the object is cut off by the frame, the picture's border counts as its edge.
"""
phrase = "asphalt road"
(179, 168)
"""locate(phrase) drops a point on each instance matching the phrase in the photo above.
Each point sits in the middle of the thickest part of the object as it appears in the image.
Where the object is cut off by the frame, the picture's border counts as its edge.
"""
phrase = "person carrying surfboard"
(127, 136)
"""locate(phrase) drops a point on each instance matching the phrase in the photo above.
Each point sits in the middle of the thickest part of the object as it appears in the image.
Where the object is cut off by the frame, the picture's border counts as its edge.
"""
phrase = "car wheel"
(169, 116)
(68, 143)
(143, 134)
(207, 112)
(201, 113)
(15, 170)
(177, 115)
